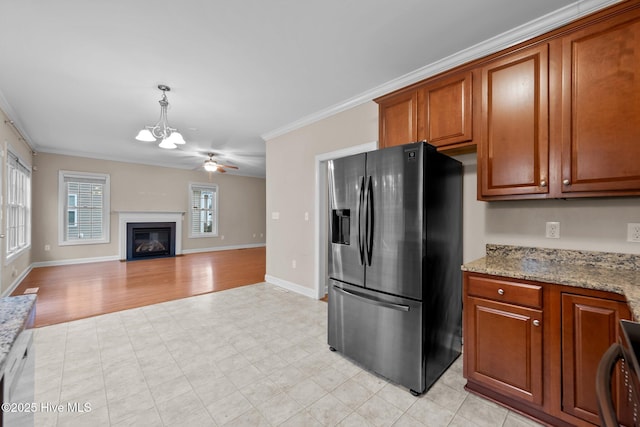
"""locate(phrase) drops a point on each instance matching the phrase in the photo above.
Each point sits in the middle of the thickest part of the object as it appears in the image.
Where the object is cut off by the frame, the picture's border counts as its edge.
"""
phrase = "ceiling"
(81, 77)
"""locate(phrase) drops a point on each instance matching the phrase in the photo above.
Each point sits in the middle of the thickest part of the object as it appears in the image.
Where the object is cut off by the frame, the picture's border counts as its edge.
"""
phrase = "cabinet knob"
(500, 291)
(536, 322)
(543, 183)
(566, 182)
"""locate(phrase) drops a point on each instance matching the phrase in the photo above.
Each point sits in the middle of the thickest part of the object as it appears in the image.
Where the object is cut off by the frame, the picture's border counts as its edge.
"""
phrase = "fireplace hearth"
(147, 240)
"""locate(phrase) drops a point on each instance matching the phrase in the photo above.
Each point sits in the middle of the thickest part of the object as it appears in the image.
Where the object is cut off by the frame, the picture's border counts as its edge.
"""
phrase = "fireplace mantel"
(125, 217)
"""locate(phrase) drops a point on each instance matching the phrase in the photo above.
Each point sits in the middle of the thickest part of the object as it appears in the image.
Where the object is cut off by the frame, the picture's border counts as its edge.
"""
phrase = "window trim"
(62, 207)
(216, 209)
(11, 255)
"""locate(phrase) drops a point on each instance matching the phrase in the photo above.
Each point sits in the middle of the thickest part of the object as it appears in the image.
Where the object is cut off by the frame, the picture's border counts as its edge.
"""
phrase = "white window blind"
(204, 210)
(84, 207)
(18, 205)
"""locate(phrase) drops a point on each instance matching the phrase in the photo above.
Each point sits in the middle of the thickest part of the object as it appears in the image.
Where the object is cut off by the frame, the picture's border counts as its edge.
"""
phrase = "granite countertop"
(14, 314)
(604, 271)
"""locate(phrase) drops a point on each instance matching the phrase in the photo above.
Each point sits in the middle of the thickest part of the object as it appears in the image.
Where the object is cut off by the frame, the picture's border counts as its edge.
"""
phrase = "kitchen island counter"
(14, 317)
(604, 271)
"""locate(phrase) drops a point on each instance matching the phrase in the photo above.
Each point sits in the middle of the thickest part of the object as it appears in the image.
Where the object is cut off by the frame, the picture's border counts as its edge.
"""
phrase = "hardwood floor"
(84, 290)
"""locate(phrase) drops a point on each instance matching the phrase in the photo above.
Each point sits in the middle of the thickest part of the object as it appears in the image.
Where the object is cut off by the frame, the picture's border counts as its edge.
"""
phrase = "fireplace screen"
(150, 240)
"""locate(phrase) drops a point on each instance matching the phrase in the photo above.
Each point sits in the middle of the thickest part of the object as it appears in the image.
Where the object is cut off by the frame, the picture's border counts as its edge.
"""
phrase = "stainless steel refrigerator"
(395, 251)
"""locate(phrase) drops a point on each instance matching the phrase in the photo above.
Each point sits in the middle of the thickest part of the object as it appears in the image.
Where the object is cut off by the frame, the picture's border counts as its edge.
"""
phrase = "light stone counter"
(613, 272)
(14, 315)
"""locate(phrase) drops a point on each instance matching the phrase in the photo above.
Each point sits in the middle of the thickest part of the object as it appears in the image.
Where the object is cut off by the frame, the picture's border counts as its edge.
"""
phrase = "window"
(18, 205)
(72, 210)
(204, 210)
(83, 207)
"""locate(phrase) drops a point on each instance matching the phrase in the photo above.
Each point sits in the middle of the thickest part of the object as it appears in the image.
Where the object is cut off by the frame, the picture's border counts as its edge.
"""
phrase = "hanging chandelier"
(169, 137)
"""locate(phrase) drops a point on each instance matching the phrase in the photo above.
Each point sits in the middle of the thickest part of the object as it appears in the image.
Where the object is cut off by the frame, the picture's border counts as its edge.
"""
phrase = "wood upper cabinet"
(438, 111)
(398, 119)
(601, 107)
(503, 337)
(513, 152)
(445, 110)
(589, 327)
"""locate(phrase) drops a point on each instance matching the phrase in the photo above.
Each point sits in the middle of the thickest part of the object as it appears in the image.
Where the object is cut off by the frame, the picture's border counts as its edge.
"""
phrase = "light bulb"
(165, 143)
(145, 136)
(176, 138)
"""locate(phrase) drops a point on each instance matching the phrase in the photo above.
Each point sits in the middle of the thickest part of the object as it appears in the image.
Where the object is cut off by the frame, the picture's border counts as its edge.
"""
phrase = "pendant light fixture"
(169, 137)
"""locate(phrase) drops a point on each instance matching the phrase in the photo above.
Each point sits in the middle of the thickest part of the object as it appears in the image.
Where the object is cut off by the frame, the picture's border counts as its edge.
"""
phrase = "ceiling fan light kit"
(211, 165)
(169, 137)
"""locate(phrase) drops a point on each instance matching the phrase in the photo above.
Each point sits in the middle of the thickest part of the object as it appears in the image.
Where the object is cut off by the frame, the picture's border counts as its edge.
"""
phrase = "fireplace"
(150, 240)
(129, 217)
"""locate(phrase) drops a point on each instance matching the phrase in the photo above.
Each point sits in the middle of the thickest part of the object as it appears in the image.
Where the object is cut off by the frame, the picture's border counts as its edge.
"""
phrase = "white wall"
(596, 224)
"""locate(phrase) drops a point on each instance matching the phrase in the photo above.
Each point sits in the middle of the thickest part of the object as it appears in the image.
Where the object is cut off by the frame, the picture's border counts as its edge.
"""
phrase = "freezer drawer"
(381, 332)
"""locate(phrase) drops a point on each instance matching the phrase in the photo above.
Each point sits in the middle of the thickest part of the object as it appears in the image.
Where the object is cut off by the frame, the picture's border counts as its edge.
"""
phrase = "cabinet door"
(503, 348)
(513, 153)
(589, 327)
(601, 107)
(398, 119)
(444, 111)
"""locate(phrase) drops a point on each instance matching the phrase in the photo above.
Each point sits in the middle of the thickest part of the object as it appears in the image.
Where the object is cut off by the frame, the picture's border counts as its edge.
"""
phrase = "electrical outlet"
(553, 230)
(294, 264)
(633, 232)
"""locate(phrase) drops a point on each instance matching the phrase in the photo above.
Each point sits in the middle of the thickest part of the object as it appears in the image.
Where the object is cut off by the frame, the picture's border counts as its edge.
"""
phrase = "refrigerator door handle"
(361, 237)
(400, 307)
(369, 221)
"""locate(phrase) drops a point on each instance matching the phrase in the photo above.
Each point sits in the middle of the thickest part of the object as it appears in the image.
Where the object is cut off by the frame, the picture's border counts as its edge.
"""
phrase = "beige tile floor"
(250, 356)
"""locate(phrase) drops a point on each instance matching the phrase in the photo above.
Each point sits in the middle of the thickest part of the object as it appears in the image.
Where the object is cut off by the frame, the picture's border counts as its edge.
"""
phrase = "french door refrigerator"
(395, 251)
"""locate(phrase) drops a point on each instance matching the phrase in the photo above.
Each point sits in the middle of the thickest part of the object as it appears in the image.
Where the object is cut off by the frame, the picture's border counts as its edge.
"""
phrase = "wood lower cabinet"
(589, 326)
(503, 336)
(535, 347)
(506, 349)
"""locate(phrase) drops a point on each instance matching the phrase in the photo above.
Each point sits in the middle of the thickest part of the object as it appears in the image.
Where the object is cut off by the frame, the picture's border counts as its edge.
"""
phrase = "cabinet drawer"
(501, 290)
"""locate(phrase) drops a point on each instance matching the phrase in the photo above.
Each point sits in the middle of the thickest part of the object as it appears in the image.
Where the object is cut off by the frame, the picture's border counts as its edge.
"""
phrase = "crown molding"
(509, 38)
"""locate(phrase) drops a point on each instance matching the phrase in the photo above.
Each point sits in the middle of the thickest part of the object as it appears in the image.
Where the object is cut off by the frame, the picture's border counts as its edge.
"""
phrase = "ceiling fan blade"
(228, 166)
(221, 170)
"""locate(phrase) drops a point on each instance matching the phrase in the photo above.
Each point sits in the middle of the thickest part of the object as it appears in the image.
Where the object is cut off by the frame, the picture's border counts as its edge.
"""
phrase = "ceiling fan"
(211, 165)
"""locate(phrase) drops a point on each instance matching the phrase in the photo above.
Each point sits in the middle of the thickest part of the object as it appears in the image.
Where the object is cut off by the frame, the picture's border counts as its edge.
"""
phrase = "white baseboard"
(299, 289)
(75, 261)
(16, 282)
(223, 248)
(117, 258)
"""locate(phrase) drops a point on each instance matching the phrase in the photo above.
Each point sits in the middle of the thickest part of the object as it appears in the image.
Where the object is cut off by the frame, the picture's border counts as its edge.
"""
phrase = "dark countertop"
(604, 271)
(14, 314)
